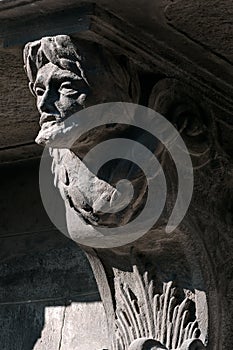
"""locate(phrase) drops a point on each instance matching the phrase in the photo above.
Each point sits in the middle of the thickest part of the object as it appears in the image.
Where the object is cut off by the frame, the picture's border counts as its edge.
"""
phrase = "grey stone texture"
(182, 51)
(60, 80)
(48, 295)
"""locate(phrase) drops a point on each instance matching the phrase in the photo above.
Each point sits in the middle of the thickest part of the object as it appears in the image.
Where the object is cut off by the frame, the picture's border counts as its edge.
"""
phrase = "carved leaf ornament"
(154, 321)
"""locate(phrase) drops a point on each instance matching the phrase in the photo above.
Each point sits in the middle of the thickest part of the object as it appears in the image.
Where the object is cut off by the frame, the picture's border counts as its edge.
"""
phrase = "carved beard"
(91, 197)
(96, 200)
(51, 134)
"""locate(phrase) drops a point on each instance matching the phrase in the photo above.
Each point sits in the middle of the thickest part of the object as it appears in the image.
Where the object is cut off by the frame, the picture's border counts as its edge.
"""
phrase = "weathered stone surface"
(161, 316)
(85, 327)
(170, 317)
(29, 214)
(187, 75)
(15, 106)
(47, 325)
(21, 325)
(44, 276)
(173, 54)
(44, 266)
(208, 23)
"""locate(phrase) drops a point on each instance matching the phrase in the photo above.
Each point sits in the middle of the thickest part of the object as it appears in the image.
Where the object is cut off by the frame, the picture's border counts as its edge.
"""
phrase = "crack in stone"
(62, 327)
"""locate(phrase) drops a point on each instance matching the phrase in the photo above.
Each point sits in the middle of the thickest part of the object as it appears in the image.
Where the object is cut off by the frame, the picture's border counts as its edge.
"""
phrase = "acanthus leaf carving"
(171, 323)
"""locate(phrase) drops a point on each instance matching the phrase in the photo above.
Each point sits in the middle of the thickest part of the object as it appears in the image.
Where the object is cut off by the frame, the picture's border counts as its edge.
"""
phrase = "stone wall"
(48, 295)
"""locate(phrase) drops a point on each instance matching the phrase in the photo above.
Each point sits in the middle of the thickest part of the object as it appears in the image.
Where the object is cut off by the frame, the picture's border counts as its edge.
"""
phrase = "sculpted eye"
(67, 89)
(39, 91)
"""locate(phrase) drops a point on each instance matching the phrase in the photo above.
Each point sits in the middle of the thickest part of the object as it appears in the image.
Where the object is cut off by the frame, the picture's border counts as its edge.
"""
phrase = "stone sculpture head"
(65, 78)
(56, 77)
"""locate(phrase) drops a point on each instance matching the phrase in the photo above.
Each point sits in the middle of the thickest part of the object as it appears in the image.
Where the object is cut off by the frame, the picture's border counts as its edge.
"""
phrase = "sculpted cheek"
(64, 104)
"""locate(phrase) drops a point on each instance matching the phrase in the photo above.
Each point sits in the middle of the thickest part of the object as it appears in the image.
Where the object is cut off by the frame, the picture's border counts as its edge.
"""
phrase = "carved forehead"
(81, 58)
(52, 72)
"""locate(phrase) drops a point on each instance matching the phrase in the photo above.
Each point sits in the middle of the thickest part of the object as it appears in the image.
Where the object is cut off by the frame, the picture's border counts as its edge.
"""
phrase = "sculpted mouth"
(49, 118)
(51, 129)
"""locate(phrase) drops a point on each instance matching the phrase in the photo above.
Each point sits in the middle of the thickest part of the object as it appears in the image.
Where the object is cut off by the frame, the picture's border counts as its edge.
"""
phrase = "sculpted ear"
(30, 84)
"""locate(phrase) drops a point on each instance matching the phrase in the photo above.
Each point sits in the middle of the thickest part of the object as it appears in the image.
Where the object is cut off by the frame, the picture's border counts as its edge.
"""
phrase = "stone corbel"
(153, 290)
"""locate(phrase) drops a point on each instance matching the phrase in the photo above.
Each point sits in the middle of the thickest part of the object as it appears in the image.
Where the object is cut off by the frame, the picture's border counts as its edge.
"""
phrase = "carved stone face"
(59, 93)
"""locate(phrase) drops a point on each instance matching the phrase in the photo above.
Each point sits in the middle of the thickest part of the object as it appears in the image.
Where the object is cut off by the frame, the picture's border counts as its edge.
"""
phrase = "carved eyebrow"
(57, 78)
(74, 77)
(66, 76)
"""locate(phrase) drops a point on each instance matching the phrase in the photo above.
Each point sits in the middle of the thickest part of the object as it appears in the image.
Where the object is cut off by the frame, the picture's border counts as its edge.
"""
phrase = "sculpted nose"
(46, 103)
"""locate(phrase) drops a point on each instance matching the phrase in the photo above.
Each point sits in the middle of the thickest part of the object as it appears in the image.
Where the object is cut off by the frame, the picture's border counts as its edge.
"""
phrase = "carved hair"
(62, 52)
(58, 50)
